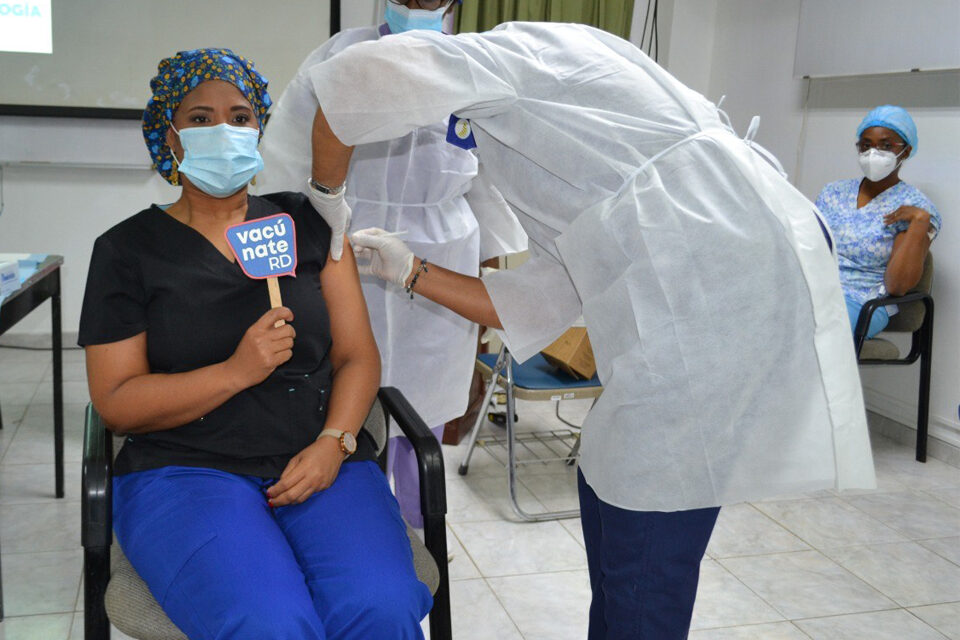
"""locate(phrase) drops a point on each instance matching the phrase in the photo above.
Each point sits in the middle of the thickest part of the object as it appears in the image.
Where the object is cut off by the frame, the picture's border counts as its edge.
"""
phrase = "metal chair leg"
(96, 625)
(512, 462)
(481, 416)
(923, 400)
(574, 452)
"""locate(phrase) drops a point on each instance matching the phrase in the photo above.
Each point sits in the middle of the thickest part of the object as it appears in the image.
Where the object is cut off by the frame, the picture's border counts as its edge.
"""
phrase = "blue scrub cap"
(894, 118)
(179, 75)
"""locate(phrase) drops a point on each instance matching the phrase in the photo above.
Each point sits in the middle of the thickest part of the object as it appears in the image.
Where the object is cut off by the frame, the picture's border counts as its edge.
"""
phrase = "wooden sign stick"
(275, 301)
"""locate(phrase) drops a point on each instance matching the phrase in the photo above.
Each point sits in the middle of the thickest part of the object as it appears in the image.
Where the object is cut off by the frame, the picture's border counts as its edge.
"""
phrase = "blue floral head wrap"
(894, 118)
(182, 73)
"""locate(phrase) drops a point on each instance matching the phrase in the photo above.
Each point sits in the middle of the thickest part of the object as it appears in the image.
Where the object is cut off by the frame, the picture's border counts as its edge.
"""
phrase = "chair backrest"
(376, 425)
(910, 316)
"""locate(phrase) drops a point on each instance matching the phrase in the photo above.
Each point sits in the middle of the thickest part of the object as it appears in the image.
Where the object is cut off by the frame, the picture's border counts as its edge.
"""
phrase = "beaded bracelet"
(421, 268)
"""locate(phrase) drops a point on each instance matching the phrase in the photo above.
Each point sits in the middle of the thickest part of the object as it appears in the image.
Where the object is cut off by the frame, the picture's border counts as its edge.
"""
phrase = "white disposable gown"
(705, 279)
(427, 188)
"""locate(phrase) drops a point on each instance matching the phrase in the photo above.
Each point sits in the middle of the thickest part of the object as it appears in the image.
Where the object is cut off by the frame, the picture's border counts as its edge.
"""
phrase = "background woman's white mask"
(877, 165)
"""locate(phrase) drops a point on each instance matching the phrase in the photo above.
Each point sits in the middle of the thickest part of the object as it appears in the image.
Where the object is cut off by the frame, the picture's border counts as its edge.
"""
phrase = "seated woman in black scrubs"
(241, 516)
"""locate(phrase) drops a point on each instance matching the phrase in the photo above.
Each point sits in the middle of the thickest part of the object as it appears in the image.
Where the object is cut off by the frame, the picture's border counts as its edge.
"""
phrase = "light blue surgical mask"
(401, 18)
(220, 160)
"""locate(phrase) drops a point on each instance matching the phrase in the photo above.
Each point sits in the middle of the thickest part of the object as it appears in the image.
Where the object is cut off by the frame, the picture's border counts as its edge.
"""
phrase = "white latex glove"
(336, 212)
(385, 256)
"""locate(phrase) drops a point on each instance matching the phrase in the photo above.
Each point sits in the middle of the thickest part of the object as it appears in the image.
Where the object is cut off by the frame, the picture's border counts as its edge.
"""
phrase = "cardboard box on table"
(572, 353)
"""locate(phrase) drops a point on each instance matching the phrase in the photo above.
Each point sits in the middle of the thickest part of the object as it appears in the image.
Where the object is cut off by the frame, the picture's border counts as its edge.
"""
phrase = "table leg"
(57, 339)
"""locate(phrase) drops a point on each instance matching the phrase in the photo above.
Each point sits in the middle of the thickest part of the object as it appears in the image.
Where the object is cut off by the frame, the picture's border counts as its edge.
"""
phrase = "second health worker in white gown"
(431, 191)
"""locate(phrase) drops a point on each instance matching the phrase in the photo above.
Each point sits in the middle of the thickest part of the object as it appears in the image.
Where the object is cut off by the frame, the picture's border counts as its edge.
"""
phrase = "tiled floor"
(872, 565)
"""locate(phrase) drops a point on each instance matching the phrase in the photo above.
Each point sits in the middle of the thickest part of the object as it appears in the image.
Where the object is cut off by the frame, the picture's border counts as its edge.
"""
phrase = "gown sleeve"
(384, 89)
(500, 231)
(536, 302)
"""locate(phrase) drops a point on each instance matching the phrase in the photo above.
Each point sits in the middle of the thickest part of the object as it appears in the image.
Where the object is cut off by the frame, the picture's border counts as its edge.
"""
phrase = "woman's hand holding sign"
(263, 348)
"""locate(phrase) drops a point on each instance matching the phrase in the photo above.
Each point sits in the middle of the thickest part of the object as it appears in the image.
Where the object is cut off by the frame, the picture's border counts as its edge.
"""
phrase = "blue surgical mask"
(220, 160)
(401, 18)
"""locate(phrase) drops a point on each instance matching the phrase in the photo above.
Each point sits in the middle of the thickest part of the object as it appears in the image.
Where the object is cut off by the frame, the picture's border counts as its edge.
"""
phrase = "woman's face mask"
(877, 165)
(401, 18)
(220, 160)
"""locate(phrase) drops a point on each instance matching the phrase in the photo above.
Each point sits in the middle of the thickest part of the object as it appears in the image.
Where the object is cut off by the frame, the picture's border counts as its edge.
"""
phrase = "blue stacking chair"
(535, 379)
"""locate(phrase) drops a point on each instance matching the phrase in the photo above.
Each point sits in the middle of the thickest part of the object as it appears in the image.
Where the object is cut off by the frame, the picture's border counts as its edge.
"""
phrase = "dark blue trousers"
(225, 566)
(644, 567)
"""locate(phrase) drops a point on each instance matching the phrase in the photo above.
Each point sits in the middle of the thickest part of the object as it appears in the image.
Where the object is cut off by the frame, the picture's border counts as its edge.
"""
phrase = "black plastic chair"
(915, 317)
(114, 592)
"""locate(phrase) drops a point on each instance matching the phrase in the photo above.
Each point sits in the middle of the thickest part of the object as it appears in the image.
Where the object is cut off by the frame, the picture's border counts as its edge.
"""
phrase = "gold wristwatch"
(348, 442)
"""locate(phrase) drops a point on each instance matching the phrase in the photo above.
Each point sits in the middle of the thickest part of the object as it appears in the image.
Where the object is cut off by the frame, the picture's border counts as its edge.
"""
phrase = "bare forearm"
(352, 392)
(331, 158)
(157, 401)
(906, 263)
(464, 295)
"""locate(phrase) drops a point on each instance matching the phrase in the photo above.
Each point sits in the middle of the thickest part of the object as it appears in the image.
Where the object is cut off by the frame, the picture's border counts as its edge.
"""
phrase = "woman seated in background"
(882, 226)
(243, 520)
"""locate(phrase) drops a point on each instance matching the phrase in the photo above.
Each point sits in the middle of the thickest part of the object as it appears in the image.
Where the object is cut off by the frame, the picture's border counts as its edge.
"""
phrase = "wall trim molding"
(906, 414)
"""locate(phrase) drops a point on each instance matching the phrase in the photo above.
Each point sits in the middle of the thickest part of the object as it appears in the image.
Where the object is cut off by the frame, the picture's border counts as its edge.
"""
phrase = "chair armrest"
(870, 306)
(97, 490)
(433, 498)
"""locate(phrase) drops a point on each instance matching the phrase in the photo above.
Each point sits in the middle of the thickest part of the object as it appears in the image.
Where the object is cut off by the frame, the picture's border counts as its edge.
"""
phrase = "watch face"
(349, 442)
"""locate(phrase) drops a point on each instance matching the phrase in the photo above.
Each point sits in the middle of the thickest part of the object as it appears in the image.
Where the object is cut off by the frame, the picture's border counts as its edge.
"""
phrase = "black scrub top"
(155, 274)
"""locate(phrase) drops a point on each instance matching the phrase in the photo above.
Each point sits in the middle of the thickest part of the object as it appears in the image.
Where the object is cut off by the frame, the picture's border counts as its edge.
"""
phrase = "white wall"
(61, 207)
(750, 59)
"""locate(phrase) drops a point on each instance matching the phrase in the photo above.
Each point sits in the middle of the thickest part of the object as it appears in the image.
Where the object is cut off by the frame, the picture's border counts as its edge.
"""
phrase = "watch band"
(330, 191)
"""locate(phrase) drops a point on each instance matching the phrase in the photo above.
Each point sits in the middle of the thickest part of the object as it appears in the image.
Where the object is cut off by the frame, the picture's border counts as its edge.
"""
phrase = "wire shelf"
(534, 447)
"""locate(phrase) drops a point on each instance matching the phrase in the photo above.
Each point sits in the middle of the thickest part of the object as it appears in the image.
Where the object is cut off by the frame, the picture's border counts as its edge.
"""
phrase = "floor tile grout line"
(828, 559)
(842, 546)
(30, 553)
(778, 523)
(465, 550)
(920, 541)
(503, 606)
(751, 590)
(841, 615)
(903, 533)
(538, 573)
(924, 622)
(860, 578)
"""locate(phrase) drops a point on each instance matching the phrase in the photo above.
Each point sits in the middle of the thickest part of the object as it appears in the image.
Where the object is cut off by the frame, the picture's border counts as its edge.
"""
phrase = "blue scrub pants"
(878, 321)
(224, 565)
(644, 567)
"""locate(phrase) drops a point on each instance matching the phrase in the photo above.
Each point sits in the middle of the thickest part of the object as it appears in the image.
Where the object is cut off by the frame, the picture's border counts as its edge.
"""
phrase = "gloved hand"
(336, 212)
(386, 257)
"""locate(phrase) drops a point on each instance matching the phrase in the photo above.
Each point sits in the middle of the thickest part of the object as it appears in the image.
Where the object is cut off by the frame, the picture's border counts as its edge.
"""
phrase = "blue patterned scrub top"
(863, 241)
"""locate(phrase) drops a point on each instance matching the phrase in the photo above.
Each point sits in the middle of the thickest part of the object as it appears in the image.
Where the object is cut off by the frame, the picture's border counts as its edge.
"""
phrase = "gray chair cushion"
(423, 562)
(131, 607)
(908, 319)
(910, 316)
(879, 349)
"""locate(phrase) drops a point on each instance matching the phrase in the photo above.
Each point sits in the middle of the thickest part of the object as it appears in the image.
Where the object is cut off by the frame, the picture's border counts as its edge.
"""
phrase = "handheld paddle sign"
(266, 248)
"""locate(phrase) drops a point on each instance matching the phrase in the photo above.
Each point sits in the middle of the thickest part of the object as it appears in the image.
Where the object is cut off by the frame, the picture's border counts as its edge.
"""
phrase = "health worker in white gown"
(432, 193)
(707, 282)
